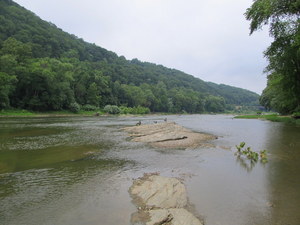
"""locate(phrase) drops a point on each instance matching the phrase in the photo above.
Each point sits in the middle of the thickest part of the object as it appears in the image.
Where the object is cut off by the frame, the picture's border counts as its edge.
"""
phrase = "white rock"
(161, 201)
(159, 192)
(172, 217)
(159, 216)
(183, 217)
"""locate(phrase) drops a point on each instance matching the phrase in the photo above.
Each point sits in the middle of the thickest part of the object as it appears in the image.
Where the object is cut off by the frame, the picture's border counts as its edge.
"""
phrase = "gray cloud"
(207, 39)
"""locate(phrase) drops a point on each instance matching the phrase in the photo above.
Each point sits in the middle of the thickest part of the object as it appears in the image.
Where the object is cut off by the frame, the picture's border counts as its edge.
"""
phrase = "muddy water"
(78, 170)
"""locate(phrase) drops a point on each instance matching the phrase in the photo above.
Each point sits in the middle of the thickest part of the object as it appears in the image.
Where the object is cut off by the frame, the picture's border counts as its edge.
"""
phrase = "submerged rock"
(168, 135)
(161, 201)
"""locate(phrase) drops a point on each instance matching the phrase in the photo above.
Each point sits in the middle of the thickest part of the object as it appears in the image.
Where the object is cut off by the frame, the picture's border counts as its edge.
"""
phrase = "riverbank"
(65, 113)
(27, 113)
(271, 117)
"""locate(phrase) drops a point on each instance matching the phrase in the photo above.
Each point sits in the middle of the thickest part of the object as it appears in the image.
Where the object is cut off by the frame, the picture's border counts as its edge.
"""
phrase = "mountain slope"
(45, 68)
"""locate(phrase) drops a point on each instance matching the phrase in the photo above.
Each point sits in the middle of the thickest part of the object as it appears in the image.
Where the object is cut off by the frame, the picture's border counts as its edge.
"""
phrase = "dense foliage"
(283, 16)
(43, 68)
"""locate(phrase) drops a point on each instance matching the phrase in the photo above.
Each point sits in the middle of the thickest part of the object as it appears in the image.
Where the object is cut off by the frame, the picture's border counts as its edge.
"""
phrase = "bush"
(112, 109)
(126, 110)
(89, 108)
(140, 110)
(296, 114)
(135, 110)
(74, 107)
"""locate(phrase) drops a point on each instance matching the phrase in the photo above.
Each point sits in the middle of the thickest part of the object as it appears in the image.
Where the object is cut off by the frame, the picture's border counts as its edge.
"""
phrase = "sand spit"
(160, 201)
(168, 135)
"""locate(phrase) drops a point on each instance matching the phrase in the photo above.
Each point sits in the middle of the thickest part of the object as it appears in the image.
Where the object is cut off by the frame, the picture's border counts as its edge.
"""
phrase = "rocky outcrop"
(168, 135)
(160, 201)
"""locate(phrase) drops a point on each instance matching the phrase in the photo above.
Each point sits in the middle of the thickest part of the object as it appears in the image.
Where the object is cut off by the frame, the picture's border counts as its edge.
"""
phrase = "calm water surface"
(77, 171)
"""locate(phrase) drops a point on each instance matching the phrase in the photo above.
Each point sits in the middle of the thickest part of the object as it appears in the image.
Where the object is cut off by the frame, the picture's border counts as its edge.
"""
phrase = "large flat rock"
(153, 191)
(183, 217)
(160, 201)
(168, 135)
(165, 217)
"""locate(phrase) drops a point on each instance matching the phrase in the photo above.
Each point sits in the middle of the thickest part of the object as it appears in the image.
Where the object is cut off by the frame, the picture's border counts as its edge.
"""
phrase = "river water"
(77, 170)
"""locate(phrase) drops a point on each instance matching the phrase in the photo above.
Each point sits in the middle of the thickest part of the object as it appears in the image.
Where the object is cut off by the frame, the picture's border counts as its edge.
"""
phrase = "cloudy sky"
(208, 39)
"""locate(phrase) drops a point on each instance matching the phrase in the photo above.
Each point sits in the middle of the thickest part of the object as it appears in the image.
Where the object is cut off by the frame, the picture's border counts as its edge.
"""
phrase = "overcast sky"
(208, 39)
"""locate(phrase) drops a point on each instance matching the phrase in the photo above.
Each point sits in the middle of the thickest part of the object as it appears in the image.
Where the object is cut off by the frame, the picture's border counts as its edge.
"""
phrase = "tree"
(214, 104)
(284, 52)
(45, 85)
(161, 93)
(93, 97)
(276, 97)
(21, 51)
(134, 95)
(6, 88)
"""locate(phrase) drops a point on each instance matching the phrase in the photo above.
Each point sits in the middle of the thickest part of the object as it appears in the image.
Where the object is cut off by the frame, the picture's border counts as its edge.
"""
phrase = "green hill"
(45, 68)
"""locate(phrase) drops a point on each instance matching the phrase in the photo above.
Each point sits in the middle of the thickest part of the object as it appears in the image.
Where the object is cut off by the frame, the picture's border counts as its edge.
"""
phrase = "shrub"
(140, 110)
(126, 110)
(296, 114)
(89, 108)
(135, 110)
(74, 107)
(112, 109)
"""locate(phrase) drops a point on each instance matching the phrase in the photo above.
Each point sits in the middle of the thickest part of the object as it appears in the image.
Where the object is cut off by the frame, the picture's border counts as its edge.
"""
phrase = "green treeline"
(282, 93)
(43, 68)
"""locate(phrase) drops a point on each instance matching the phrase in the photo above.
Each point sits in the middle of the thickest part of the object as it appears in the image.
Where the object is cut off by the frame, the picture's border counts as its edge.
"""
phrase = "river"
(77, 170)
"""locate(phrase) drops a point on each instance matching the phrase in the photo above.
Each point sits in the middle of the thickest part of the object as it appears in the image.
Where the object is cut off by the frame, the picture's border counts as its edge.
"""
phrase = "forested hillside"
(44, 68)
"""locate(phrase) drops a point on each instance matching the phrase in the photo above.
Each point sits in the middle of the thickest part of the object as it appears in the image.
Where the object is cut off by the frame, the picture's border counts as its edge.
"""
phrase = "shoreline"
(32, 114)
(271, 117)
(29, 114)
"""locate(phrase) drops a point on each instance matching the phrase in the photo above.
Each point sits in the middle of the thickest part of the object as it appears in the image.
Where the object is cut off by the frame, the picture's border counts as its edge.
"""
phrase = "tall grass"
(16, 112)
(26, 113)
